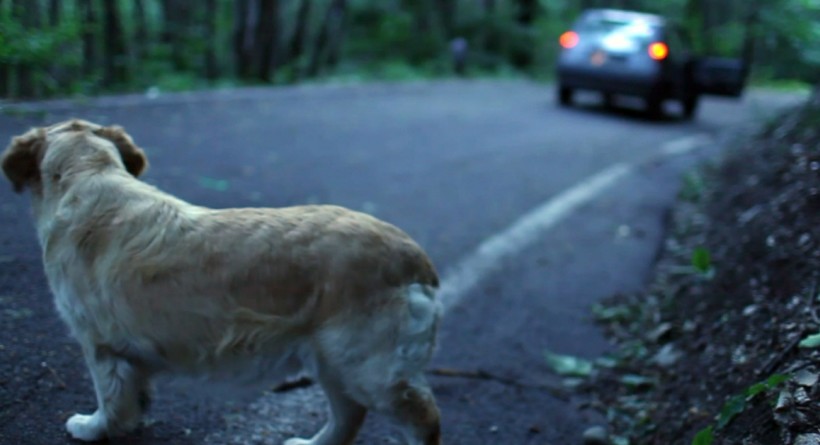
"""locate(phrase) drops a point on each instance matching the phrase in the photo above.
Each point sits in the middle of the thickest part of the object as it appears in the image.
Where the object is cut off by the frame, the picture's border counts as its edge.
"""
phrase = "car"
(618, 52)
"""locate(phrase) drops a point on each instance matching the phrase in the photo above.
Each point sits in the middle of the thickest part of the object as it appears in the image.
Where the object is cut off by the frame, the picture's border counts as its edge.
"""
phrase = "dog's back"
(148, 282)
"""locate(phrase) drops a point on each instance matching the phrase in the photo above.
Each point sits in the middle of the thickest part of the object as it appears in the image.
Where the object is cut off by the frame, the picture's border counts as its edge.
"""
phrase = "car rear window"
(618, 33)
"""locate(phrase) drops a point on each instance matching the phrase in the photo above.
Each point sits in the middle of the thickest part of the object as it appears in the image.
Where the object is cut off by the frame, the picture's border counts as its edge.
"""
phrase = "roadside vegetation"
(723, 347)
(86, 47)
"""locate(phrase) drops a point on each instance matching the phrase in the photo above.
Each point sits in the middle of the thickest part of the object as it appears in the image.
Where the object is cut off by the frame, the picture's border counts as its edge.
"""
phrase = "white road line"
(461, 279)
(685, 145)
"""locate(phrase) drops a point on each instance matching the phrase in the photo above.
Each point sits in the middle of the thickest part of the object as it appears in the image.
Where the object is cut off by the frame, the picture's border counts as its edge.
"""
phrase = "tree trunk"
(54, 9)
(211, 65)
(4, 80)
(333, 17)
(29, 15)
(488, 37)
(89, 22)
(421, 12)
(522, 56)
(4, 67)
(242, 38)
(706, 23)
(337, 36)
(266, 39)
(140, 30)
(447, 14)
(748, 50)
(297, 40)
(114, 50)
(175, 30)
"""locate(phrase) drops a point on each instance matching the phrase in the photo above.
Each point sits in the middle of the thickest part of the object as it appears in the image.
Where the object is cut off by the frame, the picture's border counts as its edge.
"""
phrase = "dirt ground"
(713, 351)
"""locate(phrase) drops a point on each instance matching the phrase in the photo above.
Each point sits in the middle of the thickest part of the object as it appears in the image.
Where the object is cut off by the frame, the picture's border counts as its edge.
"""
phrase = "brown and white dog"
(150, 284)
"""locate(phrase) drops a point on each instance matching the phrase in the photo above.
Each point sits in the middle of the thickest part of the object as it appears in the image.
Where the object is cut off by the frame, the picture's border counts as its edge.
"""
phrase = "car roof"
(623, 15)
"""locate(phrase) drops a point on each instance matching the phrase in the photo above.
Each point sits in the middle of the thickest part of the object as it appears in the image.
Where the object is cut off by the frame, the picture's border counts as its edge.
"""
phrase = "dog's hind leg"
(345, 417)
(380, 361)
(122, 395)
(414, 409)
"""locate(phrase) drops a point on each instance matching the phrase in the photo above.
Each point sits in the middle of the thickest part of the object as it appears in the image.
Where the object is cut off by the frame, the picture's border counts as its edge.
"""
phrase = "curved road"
(495, 181)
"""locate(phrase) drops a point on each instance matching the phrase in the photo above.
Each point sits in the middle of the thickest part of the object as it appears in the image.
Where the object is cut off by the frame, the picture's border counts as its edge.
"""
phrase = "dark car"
(631, 53)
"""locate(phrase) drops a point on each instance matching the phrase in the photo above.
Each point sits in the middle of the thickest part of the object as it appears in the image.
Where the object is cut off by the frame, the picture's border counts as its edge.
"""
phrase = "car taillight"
(568, 39)
(658, 51)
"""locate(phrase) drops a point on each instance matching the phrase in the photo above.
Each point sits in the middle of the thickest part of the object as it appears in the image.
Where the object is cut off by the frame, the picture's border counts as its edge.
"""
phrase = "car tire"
(654, 106)
(689, 105)
(564, 96)
(608, 100)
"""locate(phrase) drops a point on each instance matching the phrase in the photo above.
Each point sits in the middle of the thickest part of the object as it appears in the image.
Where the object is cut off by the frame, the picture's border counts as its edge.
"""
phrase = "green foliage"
(704, 437)
(39, 47)
(694, 187)
(736, 405)
(702, 260)
(397, 40)
(787, 32)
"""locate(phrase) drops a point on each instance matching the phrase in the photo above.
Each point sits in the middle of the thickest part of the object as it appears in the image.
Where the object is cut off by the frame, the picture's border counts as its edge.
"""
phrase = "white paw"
(86, 428)
(298, 441)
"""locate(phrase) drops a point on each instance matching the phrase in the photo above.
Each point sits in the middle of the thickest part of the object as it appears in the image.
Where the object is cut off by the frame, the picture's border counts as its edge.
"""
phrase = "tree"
(88, 18)
(176, 30)
(114, 50)
(331, 29)
(211, 63)
(29, 15)
(141, 41)
(4, 66)
(296, 48)
(54, 9)
(242, 40)
(447, 16)
(488, 37)
(266, 39)
(526, 12)
(337, 33)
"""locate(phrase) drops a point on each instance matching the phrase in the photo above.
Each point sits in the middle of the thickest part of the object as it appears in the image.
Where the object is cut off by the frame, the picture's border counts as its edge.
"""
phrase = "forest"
(54, 48)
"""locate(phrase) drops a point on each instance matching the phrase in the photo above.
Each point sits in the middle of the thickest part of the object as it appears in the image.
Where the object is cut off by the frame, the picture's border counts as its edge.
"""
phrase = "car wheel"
(654, 106)
(608, 100)
(564, 95)
(689, 105)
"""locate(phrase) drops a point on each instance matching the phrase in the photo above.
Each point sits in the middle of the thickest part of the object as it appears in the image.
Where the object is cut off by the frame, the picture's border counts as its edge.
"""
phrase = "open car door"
(721, 76)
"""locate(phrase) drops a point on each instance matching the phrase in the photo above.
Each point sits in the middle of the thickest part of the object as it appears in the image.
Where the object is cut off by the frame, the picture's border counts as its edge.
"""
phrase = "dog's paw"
(297, 441)
(86, 428)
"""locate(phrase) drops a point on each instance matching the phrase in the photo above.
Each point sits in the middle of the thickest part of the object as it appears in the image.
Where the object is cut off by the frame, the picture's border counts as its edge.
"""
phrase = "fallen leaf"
(812, 341)
(704, 437)
(220, 185)
(568, 365)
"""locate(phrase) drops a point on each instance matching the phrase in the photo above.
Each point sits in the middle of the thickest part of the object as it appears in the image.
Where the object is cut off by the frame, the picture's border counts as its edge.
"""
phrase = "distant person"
(459, 49)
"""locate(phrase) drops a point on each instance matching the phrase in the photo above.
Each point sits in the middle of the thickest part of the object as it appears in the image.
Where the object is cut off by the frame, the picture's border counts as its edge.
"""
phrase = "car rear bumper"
(609, 82)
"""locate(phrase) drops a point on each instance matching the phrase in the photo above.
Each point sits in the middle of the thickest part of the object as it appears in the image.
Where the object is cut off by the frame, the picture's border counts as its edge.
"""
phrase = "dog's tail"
(415, 339)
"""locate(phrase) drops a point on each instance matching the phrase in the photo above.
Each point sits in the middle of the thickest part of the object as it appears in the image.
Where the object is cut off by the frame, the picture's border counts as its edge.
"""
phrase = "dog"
(149, 284)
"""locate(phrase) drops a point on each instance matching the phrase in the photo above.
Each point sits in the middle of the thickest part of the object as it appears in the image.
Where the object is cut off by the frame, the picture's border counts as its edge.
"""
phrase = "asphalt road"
(455, 164)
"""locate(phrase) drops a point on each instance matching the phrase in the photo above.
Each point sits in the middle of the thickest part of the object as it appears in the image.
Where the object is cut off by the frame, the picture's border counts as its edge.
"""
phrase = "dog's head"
(69, 145)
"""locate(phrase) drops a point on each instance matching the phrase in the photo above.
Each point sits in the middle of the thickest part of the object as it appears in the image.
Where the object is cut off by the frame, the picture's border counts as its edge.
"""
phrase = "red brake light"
(568, 39)
(658, 51)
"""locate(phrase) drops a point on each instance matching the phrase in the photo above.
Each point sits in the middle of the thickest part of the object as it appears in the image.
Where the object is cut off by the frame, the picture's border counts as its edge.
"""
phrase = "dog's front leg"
(122, 394)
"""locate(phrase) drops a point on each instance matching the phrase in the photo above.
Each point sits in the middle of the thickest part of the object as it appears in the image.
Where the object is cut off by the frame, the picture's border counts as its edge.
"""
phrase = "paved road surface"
(458, 165)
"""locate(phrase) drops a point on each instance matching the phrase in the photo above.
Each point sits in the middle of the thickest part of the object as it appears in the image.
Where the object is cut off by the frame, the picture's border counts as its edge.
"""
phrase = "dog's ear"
(132, 156)
(21, 160)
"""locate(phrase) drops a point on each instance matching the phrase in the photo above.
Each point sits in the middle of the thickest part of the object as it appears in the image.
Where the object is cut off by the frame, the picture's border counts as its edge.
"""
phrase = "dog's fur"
(148, 283)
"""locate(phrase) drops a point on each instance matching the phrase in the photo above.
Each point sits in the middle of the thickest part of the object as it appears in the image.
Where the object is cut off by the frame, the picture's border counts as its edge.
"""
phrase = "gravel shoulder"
(719, 347)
